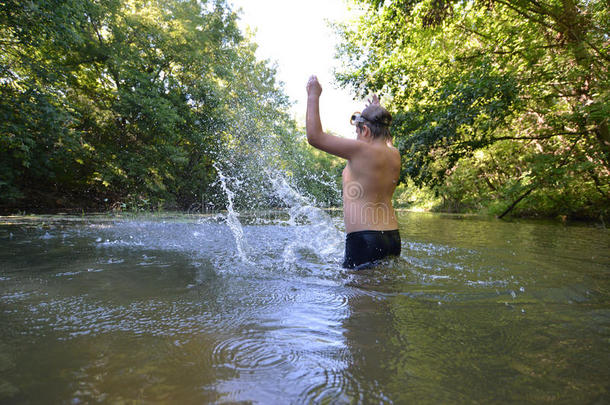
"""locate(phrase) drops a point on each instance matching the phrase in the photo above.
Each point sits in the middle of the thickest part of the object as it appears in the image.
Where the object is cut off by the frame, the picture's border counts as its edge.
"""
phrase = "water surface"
(195, 309)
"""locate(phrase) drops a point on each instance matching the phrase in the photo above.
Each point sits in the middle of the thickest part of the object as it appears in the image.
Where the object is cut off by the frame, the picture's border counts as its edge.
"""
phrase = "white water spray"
(231, 218)
(318, 234)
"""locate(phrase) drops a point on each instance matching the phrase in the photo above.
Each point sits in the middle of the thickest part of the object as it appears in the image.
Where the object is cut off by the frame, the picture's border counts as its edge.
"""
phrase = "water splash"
(231, 217)
(259, 174)
(318, 234)
(312, 232)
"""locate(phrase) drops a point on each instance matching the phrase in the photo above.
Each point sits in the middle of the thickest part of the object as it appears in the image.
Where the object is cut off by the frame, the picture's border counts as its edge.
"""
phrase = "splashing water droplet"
(231, 218)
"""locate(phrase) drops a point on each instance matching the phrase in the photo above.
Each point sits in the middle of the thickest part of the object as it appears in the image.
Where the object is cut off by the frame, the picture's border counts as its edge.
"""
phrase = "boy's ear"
(367, 130)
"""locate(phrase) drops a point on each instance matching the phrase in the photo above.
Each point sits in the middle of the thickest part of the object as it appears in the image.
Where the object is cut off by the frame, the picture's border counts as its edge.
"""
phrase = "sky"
(294, 35)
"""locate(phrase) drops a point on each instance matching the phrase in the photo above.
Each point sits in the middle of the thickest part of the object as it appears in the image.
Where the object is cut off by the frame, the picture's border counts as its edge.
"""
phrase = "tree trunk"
(510, 208)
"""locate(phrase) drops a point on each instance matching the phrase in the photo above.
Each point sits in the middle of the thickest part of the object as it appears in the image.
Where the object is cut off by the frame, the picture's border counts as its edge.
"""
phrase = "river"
(255, 308)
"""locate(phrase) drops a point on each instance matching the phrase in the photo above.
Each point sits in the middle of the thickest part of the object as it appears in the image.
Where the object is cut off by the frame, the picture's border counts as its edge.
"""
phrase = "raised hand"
(374, 100)
(313, 86)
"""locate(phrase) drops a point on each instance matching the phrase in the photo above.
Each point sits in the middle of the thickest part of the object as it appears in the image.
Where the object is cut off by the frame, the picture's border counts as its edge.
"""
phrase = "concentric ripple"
(253, 353)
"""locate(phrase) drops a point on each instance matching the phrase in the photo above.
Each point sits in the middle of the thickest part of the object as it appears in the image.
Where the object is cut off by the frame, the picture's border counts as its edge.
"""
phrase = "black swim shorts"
(362, 248)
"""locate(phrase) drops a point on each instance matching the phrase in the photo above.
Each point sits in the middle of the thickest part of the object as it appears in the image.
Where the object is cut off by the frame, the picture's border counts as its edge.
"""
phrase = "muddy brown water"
(168, 309)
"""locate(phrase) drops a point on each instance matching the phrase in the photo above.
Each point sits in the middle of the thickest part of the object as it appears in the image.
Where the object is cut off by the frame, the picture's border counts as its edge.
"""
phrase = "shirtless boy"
(369, 179)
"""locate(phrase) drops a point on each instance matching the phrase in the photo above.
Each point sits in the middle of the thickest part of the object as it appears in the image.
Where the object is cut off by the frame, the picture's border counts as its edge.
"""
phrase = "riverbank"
(248, 216)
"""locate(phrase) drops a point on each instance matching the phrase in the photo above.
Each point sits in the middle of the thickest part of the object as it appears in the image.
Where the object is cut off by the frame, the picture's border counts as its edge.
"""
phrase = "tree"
(464, 76)
(127, 101)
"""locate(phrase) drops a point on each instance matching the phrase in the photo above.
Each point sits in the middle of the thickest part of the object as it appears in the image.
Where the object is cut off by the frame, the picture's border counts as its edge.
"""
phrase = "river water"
(255, 308)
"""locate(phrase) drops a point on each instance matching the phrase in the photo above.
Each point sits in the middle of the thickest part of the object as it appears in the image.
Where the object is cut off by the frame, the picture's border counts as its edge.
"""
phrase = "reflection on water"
(166, 309)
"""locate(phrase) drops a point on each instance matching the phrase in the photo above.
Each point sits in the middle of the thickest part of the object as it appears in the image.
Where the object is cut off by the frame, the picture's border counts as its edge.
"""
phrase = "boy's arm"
(335, 145)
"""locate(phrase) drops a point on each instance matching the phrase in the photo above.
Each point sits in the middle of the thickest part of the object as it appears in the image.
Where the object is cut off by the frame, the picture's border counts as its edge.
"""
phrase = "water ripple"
(253, 353)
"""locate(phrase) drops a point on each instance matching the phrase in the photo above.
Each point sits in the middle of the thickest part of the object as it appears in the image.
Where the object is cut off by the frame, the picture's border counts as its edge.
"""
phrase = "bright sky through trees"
(296, 36)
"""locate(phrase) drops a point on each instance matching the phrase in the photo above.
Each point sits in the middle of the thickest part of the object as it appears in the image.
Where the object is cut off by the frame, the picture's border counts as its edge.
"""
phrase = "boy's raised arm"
(342, 147)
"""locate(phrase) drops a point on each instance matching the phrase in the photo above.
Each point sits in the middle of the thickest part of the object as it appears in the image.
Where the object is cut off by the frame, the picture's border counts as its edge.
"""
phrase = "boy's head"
(377, 118)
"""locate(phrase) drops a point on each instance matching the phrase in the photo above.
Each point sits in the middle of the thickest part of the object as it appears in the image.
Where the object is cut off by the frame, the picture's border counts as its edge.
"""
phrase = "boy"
(369, 179)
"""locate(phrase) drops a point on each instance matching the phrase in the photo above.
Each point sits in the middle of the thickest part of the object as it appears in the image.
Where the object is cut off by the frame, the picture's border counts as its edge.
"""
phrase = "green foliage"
(450, 121)
(315, 173)
(414, 198)
(127, 103)
(471, 77)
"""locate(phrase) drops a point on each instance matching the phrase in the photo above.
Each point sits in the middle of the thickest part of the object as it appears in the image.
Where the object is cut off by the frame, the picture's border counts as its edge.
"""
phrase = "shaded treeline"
(128, 103)
(499, 105)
